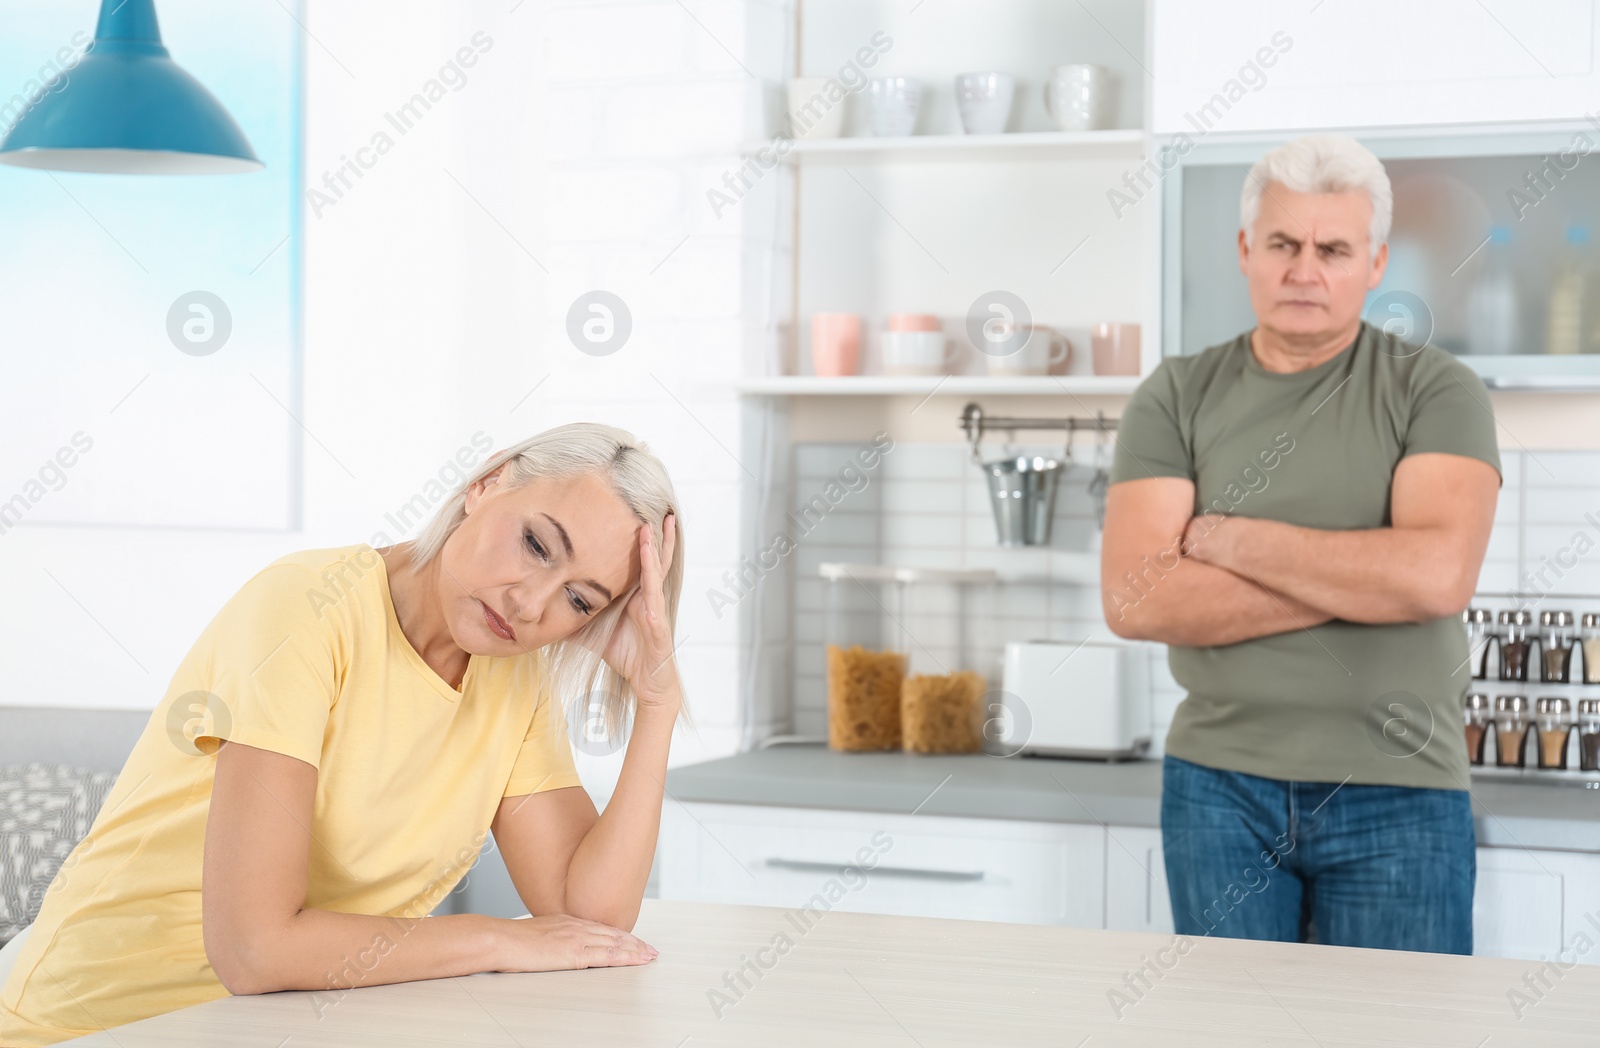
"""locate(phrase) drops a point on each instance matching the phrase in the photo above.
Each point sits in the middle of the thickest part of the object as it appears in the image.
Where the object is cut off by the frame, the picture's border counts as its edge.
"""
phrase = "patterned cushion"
(45, 810)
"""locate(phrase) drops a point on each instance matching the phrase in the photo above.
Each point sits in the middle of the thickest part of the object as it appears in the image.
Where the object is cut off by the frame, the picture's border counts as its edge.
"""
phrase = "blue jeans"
(1388, 867)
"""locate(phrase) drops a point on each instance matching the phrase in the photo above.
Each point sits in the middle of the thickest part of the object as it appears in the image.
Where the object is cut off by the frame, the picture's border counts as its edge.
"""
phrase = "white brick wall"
(927, 506)
(598, 42)
(642, 108)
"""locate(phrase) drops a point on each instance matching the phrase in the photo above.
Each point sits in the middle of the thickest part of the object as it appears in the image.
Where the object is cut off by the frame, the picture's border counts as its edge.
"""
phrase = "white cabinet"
(1537, 905)
(1136, 881)
(1529, 904)
(926, 866)
(1257, 65)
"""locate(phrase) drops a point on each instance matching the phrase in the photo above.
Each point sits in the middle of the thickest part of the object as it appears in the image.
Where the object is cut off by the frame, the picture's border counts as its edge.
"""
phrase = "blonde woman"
(347, 731)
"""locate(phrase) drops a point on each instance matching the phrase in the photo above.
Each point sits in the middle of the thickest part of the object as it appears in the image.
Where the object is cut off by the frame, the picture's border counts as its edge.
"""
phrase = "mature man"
(1301, 514)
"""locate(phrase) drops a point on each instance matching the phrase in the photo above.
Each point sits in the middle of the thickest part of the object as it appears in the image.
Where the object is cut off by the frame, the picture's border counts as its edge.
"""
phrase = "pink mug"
(1115, 349)
(914, 322)
(835, 343)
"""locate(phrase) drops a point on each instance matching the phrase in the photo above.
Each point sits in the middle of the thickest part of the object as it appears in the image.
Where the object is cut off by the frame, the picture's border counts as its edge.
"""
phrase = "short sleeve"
(1149, 440)
(544, 761)
(265, 671)
(1451, 414)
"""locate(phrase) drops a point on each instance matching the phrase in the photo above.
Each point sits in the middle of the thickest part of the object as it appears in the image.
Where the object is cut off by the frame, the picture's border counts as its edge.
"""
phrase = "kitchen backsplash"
(926, 505)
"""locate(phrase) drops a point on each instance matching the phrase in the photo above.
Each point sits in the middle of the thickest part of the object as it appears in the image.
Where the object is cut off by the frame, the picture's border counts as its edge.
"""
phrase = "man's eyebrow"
(1335, 242)
(566, 543)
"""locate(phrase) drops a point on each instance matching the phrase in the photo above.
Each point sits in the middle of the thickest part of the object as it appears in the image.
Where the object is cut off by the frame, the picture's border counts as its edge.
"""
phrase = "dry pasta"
(864, 698)
(942, 712)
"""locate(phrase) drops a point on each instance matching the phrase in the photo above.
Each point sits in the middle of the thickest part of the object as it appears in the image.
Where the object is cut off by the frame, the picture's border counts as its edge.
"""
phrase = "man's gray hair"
(1321, 164)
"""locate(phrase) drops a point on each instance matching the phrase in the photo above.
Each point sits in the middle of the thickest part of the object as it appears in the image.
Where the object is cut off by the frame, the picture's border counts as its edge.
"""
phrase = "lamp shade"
(127, 108)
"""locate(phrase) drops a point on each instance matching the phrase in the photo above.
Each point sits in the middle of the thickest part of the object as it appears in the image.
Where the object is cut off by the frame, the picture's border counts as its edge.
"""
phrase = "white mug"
(1079, 97)
(811, 114)
(893, 105)
(917, 353)
(1042, 352)
(984, 100)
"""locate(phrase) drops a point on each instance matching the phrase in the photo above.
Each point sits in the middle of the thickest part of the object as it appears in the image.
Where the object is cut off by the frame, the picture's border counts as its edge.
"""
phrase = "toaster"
(1088, 699)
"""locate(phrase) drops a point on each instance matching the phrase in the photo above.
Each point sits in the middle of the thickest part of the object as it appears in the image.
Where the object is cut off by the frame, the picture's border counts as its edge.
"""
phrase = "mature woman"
(337, 745)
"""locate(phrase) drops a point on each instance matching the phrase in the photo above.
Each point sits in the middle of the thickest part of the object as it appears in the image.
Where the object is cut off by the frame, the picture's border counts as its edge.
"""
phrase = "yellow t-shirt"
(307, 659)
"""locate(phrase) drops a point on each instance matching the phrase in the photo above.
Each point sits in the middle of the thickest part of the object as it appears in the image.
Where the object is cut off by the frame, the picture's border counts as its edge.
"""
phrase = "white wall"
(925, 505)
(576, 156)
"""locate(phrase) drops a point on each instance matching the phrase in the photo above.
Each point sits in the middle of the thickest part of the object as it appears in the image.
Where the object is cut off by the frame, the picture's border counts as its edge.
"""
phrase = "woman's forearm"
(609, 869)
(328, 950)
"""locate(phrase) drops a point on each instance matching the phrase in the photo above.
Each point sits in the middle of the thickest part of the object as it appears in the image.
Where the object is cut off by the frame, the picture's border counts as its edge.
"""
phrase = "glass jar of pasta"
(943, 712)
(866, 659)
(904, 650)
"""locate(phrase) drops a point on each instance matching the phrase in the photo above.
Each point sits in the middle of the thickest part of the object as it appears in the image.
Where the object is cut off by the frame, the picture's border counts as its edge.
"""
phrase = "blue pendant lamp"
(128, 109)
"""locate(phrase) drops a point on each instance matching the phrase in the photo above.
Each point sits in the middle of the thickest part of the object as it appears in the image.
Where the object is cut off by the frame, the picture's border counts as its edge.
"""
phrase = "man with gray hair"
(1300, 514)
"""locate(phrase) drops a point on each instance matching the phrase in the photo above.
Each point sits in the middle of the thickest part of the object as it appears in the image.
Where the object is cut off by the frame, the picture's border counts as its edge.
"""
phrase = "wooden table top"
(864, 979)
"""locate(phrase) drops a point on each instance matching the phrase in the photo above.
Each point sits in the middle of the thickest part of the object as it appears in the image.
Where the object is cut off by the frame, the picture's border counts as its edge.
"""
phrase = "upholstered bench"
(56, 767)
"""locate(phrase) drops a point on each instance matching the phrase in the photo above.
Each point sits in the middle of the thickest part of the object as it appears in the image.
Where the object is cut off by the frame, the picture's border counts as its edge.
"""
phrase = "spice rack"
(1535, 666)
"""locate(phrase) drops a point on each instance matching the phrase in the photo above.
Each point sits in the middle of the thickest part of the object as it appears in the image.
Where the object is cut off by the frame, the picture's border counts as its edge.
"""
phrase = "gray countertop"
(1507, 814)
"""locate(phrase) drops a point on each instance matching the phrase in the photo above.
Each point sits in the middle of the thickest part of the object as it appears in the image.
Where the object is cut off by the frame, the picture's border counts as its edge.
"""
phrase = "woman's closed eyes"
(577, 603)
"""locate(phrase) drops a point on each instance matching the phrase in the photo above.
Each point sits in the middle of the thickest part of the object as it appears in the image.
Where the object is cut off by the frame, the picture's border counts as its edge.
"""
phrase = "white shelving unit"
(1086, 567)
(943, 385)
(1023, 145)
(931, 221)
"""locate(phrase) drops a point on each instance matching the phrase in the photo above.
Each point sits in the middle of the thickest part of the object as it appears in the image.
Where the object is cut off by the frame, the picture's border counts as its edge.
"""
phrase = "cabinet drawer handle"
(907, 872)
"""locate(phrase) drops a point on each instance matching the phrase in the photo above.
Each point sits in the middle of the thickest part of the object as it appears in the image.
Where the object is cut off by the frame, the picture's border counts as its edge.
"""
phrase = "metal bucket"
(1022, 492)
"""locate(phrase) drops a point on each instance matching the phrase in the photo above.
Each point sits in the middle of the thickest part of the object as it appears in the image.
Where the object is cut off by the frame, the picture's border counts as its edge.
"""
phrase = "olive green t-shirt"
(1343, 701)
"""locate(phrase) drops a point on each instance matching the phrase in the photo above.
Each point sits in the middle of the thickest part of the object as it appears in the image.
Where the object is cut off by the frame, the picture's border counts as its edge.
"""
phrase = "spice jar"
(1510, 730)
(1480, 631)
(1556, 637)
(1553, 718)
(1588, 734)
(1512, 635)
(1591, 648)
(1478, 716)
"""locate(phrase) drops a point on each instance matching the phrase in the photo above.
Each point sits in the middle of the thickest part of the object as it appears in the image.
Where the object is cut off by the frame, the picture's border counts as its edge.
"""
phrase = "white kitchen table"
(865, 979)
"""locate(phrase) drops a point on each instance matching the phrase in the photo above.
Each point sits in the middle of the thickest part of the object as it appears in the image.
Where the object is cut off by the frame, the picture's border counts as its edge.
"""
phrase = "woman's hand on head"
(561, 943)
(641, 648)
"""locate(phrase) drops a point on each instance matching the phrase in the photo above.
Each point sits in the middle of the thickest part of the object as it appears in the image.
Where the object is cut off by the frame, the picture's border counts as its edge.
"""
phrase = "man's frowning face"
(1309, 261)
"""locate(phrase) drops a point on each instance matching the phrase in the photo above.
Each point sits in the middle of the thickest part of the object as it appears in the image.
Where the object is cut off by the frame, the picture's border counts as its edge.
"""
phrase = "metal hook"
(972, 422)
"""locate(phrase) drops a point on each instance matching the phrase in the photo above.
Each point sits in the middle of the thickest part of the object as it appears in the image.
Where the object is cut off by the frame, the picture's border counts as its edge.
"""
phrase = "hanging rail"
(975, 423)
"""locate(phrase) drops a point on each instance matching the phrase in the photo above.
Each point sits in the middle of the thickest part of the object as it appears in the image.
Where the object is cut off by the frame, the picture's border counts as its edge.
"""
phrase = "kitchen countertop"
(1507, 814)
(854, 979)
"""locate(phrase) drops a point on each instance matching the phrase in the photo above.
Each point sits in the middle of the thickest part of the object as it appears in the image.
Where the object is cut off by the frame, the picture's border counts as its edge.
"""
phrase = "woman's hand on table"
(641, 648)
(562, 943)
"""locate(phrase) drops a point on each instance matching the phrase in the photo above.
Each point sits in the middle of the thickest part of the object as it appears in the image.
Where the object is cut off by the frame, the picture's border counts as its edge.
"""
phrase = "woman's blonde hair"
(579, 677)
